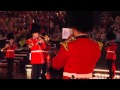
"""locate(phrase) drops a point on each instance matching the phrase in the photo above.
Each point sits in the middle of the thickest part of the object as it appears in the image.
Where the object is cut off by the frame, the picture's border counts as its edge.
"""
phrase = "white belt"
(111, 51)
(10, 50)
(36, 51)
(40, 51)
(78, 76)
(46, 51)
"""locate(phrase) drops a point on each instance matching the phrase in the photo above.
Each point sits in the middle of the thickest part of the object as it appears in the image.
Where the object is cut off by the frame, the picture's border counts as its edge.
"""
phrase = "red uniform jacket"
(81, 57)
(10, 51)
(36, 51)
(111, 49)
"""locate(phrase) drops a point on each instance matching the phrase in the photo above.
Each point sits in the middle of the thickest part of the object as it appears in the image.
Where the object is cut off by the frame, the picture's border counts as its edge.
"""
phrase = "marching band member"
(111, 48)
(9, 49)
(79, 56)
(36, 45)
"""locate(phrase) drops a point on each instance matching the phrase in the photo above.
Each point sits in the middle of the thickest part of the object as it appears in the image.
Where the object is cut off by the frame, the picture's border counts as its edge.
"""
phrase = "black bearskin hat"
(10, 36)
(35, 28)
(110, 35)
(83, 21)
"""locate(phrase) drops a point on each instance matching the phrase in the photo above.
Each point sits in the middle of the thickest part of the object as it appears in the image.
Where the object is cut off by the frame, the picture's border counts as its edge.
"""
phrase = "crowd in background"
(19, 22)
(106, 23)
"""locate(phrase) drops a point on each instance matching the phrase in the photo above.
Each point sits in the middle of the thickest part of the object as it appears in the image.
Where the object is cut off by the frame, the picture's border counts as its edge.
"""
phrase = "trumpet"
(43, 38)
(46, 38)
(40, 40)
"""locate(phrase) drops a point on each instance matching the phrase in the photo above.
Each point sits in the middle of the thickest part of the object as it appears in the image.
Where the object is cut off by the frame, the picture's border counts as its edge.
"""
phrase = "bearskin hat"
(83, 21)
(110, 35)
(35, 28)
(10, 36)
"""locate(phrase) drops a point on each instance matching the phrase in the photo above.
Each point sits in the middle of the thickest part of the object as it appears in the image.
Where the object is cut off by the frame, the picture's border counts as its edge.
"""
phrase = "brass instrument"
(46, 38)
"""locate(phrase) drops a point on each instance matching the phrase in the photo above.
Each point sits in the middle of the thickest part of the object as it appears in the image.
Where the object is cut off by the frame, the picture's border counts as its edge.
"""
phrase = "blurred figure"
(78, 57)
(111, 48)
(10, 54)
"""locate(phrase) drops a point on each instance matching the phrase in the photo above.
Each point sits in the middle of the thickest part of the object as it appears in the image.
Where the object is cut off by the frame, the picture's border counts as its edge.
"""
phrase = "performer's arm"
(29, 43)
(60, 59)
(5, 48)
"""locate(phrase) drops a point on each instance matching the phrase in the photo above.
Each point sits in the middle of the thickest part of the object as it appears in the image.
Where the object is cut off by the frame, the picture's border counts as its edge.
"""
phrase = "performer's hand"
(41, 41)
(70, 36)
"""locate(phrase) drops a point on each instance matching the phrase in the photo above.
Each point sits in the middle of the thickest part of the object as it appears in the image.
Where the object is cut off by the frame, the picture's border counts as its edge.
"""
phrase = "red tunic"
(36, 51)
(111, 51)
(81, 57)
(10, 51)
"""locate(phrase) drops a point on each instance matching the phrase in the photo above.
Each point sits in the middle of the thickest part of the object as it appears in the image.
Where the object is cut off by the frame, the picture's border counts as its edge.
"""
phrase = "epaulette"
(100, 45)
(65, 43)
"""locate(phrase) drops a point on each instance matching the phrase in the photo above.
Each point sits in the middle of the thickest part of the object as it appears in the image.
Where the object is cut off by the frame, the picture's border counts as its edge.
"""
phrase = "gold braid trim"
(100, 45)
(65, 45)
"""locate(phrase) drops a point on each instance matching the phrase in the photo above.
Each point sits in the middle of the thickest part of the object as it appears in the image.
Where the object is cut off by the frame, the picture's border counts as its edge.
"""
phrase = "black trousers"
(111, 71)
(36, 70)
(9, 66)
(44, 69)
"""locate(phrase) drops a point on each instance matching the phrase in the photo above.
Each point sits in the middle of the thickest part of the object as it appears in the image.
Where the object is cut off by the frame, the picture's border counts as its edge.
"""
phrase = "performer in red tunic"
(36, 45)
(10, 54)
(78, 56)
(111, 48)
